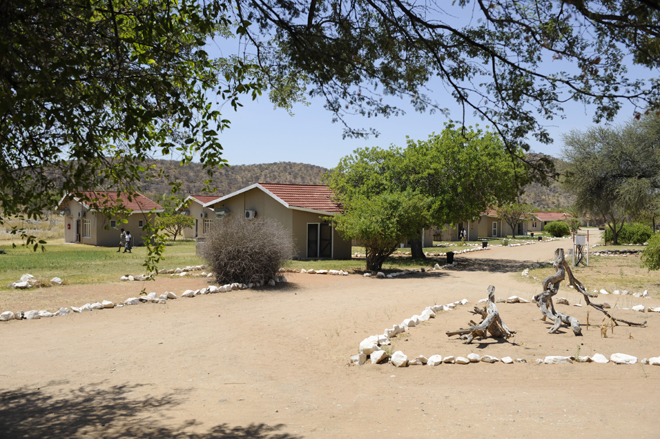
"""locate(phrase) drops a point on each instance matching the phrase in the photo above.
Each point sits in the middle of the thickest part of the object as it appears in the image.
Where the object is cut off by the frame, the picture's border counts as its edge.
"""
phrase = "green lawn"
(84, 264)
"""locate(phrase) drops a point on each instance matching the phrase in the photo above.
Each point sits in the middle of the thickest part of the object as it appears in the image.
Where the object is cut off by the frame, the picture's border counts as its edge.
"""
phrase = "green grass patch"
(85, 264)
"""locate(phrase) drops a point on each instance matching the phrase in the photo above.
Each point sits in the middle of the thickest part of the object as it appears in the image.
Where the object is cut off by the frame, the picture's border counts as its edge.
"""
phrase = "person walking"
(129, 239)
(122, 240)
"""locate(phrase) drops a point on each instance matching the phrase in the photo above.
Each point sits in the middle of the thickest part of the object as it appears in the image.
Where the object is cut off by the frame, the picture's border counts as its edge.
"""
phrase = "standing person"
(128, 245)
(122, 240)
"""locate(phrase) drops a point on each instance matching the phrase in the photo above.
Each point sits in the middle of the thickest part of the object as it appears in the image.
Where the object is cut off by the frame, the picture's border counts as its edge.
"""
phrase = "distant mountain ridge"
(233, 178)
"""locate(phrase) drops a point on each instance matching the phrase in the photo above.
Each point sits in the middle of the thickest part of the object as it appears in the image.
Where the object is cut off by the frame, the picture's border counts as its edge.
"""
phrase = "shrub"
(557, 229)
(244, 251)
(634, 233)
(651, 254)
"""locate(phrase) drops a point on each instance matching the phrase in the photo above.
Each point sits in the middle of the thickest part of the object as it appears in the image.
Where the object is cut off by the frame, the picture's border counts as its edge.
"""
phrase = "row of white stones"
(149, 298)
(399, 359)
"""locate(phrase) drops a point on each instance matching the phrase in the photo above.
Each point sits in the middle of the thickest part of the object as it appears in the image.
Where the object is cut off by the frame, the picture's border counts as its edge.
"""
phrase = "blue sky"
(261, 134)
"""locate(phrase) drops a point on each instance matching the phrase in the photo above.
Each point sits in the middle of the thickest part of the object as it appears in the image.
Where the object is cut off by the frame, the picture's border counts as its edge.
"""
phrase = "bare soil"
(271, 362)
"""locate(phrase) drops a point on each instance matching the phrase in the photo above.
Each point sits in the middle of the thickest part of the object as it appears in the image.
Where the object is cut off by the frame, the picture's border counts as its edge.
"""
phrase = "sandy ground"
(271, 363)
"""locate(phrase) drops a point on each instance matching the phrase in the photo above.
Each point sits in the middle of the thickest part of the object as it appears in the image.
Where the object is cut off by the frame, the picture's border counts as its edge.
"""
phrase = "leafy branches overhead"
(89, 90)
(514, 214)
(512, 63)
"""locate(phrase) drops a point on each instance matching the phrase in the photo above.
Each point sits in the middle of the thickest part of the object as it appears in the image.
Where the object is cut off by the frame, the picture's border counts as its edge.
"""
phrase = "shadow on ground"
(110, 413)
(493, 265)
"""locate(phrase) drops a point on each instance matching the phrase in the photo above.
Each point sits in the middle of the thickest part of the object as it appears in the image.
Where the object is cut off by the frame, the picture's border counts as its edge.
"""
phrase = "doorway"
(319, 240)
(494, 234)
(77, 230)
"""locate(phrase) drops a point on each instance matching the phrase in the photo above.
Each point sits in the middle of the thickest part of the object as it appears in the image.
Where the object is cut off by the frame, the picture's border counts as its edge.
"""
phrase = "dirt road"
(271, 363)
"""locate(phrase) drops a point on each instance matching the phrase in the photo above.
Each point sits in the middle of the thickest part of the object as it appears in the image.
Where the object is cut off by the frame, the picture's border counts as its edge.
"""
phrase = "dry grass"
(610, 273)
(50, 229)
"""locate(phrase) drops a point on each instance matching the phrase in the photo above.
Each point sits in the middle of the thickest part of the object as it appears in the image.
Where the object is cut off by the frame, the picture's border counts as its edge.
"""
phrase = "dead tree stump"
(550, 289)
(491, 322)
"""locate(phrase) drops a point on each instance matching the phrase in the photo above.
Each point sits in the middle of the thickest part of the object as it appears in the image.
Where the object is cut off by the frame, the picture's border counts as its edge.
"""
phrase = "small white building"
(196, 207)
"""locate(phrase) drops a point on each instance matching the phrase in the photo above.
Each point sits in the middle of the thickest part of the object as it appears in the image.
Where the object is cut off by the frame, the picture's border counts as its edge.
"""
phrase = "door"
(325, 239)
(77, 230)
(520, 229)
(312, 240)
(196, 225)
(494, 235)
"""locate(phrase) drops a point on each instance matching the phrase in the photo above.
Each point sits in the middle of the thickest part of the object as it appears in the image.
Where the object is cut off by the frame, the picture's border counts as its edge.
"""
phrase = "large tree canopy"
(449, 178)
(515, 64)
(614, 171)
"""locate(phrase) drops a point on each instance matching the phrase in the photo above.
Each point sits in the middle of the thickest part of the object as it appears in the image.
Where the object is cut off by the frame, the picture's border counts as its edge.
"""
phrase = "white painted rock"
(557, 359)
(561, 301)
(21, 285)
(645, 293)
(399, 359)
(107, 304)
(482, 301)
(132, 301)
(6, 316)
(96, 305)
(209, 275)
(312, 271)
(188, 293)
(378, 356)
(449, 360)
(161, 301)
(126, 277)
(513, 299)
(271, 283)
(415, 319)
(654, 361)
(639, 308)
(28, 278)
(409, 323)
(463, 302)
(507, 360)
(599, 358)
(381, 275)
(434, 360)
(474, 358)
(56, 280)
(489, 359)
(462, 360)
(655, 309)
(602, 291)
(62, 312)
(44, 313)
(321, 271)
(367, 274)
(427, 314)
(437, 308)
(583, 359)
(617, 292)
(623, 359)
(152, 297)
(358, 359)
(32, 315)
(422, 359)
(74, 309)
(368, 345)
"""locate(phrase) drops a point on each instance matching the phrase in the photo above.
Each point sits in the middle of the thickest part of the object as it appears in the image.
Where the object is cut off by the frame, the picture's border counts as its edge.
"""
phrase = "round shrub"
(244, 251)
(651, 254)
(557, 229)
(634, 233)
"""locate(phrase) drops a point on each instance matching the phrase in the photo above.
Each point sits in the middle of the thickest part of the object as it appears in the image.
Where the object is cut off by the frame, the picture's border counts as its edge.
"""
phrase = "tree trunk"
(417, 249)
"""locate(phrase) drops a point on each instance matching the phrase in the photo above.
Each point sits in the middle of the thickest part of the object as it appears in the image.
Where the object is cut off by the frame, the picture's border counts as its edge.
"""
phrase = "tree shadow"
(492, 265)
(108, 412)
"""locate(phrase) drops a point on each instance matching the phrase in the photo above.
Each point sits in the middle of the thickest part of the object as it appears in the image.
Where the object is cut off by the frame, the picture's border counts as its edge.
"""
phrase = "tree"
(174, 224)
(453, 176)
(614, 171)
(497, 64)
(514, 214)
(651, 255)
(90, 90)
(381, 222)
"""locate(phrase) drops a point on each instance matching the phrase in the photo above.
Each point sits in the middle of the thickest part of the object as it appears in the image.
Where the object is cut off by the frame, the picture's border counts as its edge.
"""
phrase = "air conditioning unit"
(65, 212)
(250, 214)
(203, 215)
(185, 212)
(222, 212)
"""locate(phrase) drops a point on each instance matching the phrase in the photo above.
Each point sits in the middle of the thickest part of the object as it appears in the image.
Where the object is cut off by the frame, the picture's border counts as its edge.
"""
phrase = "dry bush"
(240, 250)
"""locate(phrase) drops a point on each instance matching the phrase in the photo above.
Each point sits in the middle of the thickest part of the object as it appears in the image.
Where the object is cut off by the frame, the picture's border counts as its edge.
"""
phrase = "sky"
(259, 133)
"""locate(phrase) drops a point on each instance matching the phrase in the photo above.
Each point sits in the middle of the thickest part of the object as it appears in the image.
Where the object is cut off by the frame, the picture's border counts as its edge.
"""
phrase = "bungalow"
(298, 207)
(193, 206)
(84, 225)
(489, 225)
(539, 220)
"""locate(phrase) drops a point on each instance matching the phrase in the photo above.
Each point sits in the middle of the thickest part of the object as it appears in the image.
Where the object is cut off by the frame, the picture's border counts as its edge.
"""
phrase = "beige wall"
(99, 235)
(196, 210)
(291, 219)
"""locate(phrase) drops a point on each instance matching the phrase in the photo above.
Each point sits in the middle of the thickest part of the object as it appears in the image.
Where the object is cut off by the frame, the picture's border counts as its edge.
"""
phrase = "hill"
(551, 197)
(231, 178)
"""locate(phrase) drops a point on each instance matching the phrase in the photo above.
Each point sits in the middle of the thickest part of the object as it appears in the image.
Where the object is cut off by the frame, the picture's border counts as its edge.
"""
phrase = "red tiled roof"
(108, 199)
(551, 216)
(305, 196)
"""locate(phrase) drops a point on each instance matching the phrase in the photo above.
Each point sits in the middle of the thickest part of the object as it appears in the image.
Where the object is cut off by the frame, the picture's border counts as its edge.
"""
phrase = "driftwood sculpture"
(491, 322)
(550, 289)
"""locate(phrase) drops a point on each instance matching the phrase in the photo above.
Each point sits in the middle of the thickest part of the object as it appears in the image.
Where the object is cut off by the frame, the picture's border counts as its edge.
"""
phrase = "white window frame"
(87, 228)
(140, 224)
(318, 241)
(113, 224)
(534, 224)
(206, 226)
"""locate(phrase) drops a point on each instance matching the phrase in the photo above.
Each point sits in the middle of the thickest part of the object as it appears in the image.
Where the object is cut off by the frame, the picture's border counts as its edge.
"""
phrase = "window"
(113, 224)
(534, 224)
(206, 228)
(141, 223)
(87, 228)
